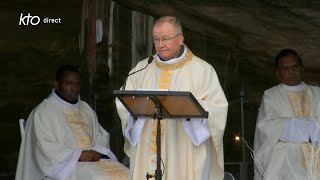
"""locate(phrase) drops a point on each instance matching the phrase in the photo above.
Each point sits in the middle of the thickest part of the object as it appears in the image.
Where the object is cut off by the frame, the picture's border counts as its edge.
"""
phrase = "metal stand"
(163, 105)
(158, 116)
(243, 164)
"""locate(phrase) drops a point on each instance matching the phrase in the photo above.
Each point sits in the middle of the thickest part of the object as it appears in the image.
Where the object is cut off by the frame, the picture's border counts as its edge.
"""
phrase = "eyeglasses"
(165, 39)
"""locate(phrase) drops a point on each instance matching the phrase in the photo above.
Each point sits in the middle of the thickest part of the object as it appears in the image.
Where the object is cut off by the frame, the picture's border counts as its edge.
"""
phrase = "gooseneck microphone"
(149, 62)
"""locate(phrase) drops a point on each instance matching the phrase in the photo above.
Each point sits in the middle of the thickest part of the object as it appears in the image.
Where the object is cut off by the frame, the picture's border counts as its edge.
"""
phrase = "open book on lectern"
(174, 104)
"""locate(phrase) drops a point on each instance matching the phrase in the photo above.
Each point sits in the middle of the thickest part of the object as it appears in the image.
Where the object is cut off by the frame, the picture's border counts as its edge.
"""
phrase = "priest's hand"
(89, 156)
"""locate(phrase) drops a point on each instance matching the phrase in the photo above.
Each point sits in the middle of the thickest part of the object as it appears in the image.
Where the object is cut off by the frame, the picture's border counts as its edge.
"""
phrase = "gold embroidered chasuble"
(82, 133)
(54, 138)
(301, 106)
(282, 160)
(181, 158)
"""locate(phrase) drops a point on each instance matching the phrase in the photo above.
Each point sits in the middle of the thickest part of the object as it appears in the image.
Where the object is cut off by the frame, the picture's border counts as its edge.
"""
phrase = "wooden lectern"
(159, 105)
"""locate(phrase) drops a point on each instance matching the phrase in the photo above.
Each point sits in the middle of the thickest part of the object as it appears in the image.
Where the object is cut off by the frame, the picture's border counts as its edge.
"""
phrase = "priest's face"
(69, 86)
(289, 70)
(166, 41)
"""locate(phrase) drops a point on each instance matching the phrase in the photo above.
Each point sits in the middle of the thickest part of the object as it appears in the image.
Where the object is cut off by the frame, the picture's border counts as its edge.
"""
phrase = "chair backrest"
(228, 176)
(22, 125)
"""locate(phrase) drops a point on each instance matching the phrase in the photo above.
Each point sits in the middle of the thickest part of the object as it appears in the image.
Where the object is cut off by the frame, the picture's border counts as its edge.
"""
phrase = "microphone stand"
(125, 81)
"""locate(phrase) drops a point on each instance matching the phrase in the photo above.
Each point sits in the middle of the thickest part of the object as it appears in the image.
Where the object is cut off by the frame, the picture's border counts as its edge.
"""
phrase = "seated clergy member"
(64, 140)
(287, 133)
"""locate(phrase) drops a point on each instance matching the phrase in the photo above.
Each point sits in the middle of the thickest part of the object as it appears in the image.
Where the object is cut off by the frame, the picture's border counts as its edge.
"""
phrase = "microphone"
(149, 62)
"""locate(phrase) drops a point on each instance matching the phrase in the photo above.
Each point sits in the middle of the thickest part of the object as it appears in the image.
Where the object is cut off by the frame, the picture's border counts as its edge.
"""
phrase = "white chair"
(228, 176)
(22, 124)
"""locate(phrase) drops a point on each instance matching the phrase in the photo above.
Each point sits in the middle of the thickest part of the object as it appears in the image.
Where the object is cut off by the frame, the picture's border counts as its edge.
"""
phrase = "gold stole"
(80, 129)
(164, 82)
(300, 103)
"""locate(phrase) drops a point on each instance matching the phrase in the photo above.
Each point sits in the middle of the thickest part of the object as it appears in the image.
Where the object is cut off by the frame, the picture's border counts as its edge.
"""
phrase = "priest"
(64, 140)
(287, 130)
(190, 149)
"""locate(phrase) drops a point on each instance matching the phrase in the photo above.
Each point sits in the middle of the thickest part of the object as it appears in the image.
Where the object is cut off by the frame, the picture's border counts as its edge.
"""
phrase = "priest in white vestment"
(190, 150)
(64, 140)
(287, 131)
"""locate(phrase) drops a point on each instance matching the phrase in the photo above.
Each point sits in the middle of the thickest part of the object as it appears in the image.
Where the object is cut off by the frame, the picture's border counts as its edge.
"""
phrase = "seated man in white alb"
(287, 133)
(64, 140)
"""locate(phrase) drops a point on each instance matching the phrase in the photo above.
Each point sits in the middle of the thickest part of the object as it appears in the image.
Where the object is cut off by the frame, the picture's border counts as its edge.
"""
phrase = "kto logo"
(26, 20)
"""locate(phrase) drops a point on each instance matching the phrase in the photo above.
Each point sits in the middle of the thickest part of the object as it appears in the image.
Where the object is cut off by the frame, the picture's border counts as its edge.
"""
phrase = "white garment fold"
(296, 130)
(105, 151)
(134, 129)
(314, 133)
(63, 169)
(197, 130)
